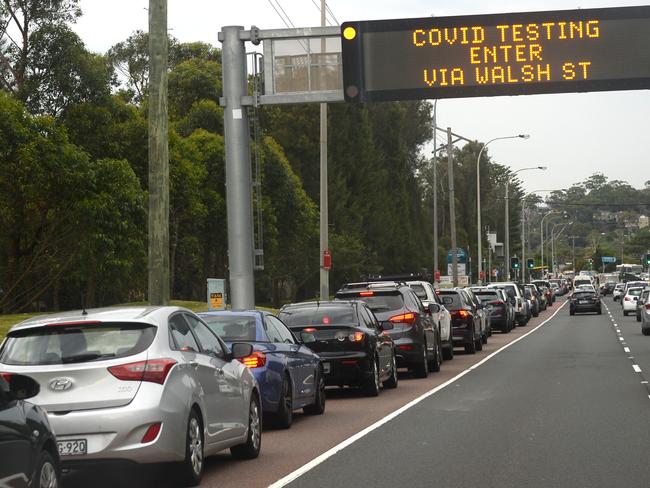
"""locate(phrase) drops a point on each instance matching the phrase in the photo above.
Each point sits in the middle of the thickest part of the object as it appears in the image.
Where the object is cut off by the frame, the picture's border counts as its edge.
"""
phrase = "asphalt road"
(562, 408)
(510, 420)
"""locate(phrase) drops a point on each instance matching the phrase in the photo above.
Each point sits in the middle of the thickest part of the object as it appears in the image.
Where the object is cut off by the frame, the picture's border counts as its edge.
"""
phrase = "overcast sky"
(575, 135)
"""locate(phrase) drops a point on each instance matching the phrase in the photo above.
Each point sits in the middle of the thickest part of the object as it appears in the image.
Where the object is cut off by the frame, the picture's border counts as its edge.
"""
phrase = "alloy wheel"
(195, 446)
(254, 425)
(48, 477)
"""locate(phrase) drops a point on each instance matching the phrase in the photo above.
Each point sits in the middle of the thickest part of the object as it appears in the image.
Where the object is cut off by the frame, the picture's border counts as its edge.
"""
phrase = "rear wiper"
(80, 358)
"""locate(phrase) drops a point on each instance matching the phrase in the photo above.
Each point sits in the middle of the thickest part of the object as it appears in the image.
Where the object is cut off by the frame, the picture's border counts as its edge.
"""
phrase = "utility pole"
(158, 255)
(238, 170)
(435, 191)
(507, 232)
(452, 208)
(324, 229)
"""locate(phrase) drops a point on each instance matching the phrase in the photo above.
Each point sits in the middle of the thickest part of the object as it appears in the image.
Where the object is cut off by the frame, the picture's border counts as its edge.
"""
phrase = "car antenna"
(84, 312)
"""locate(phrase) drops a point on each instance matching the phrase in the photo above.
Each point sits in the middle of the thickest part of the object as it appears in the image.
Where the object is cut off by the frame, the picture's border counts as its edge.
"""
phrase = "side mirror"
(433, 308)
(307, 338)
(386, 326)
(21, 387)
(241, 350)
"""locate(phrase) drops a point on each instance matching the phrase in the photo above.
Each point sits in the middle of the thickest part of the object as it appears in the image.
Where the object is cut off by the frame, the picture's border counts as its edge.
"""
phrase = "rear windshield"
(635, 291)
(583, 294)
(232, 328)
(379, 302)
(419, 291)
(76, 343)
(509, 290)
(301, 316)
(450, 300)
(487, 296)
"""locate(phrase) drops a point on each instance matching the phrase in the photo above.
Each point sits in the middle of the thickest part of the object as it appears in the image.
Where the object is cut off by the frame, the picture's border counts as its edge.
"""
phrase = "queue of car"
(165, 385)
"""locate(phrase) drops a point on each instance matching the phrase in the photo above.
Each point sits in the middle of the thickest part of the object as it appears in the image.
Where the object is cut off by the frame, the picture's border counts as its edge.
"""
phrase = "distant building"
(643, 221)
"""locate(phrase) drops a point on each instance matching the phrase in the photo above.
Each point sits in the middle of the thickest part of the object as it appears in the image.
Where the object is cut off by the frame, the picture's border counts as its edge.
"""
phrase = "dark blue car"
(289, 374)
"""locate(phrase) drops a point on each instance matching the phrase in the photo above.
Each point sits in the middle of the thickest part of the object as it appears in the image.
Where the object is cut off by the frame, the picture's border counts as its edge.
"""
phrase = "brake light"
(647, 306)
(153, 370)
(151, 433)
(627, 299)
(356, 336)
(463, 314)
(255, 360)
(366, 293)
(6, 377)
(350, 362)
(309, 329)
(326, 320)
(77, 322)
(496, 302)
(405, 347)
(405, 318)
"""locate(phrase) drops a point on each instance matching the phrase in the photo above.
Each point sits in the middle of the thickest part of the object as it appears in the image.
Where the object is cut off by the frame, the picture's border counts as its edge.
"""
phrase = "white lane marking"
(636, 368)
(626, 349)
(644, 382)
(350, 440)
(621, 339)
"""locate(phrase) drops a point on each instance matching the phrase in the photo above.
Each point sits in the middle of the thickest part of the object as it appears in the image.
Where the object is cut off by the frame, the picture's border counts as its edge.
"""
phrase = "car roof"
(320, 303)
(144, 314)
(239, 313)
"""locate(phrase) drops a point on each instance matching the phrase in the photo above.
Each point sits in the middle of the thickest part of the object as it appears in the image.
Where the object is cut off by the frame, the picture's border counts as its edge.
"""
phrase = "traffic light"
(514, 263)
(647, 259)
(530, 263)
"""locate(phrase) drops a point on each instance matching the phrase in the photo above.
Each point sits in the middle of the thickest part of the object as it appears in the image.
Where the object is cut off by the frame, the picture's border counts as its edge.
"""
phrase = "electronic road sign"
(501, 54)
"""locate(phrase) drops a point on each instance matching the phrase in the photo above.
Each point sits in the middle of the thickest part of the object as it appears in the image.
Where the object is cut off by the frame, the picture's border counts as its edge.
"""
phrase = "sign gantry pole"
(238, 170)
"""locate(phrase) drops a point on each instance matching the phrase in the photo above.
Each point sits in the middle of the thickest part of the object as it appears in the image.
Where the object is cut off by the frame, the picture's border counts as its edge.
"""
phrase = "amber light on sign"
(504, 54)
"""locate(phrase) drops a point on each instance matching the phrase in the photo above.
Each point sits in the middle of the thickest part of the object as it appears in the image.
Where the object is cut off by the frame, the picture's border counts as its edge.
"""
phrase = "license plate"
(326, 368)
(73, 447)
(583, 301)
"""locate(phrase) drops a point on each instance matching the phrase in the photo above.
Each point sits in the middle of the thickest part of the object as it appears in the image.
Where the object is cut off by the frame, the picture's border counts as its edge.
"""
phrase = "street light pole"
(435, 191)
(541, 237)
(507, 217)
(479, 233)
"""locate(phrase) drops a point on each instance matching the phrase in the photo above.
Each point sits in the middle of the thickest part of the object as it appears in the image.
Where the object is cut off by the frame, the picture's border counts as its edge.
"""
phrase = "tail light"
(255, 360)
(151, 433)
(495, 302)
(627, 299)
(153, 370)
(405, 318)
(647, 306)
(6, 377)
(366, 293)
(356, 336)
(309, 329)
(463, 314)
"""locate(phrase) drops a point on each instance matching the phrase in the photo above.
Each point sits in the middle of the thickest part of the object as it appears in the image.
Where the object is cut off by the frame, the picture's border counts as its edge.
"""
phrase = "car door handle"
(194, 364)
(218, 372)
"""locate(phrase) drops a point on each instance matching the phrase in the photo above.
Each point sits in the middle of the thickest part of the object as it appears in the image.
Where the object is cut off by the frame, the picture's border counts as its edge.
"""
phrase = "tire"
(47, 473)
(318, 407)
(448, 352)
(251, 448)
(638, 318)
(600, 311)
(479, 343)
(283, 418)
(484, 338)
(391, 382)
(645, 332)
(372, 387)
(470, 348)
(192, 466)
(625, 313)
(436, 362)
(571, 312)
(421, 370)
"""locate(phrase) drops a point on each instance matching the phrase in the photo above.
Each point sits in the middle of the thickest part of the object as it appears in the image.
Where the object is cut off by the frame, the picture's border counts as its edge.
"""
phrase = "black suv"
(465, 321)
(416, 337)
(349, 340)
(28, 450)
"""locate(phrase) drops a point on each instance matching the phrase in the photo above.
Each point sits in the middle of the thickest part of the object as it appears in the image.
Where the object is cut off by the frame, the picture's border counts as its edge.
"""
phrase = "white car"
(425, 291)
(143, 384)
(618, 291)
(629, 300)
(586, 288)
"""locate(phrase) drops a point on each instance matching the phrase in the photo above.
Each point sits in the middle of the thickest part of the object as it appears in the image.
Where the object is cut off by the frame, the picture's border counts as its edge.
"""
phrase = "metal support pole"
(479, 234)
(507, 234)
(523, 264)
(238, 171)
(452, 208)
(435, 191)
(158, 255)
(324, 217)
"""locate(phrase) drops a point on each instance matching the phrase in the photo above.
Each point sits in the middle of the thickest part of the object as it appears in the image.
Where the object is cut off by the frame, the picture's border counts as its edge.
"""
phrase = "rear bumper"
(589, 307)
(350, 369)
(462, 336)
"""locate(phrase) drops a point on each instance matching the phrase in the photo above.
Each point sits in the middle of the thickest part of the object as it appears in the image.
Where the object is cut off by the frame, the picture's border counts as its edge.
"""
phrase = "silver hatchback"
(142, 384)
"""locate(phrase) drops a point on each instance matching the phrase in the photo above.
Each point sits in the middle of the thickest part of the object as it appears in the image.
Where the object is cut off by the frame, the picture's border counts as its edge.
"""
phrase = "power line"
(331, 13)
(279, 14)
(332, 22)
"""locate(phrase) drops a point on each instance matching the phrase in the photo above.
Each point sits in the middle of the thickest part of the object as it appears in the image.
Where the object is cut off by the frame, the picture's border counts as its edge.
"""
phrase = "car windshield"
(64, 344)
(419, 290)
(301, 316)
(232, 328)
